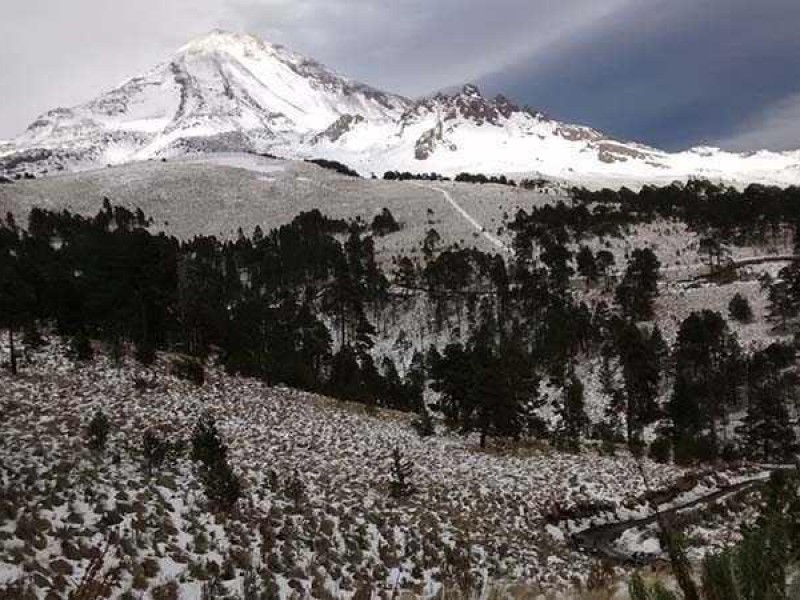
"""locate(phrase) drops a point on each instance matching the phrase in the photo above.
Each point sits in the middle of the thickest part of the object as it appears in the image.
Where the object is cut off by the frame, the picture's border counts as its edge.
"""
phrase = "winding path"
(599, 539)
(497, 242)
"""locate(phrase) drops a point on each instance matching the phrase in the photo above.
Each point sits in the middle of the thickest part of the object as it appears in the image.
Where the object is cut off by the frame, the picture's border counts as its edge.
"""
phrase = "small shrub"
(145, 353)
(423, 424)
(637, 447)
(296, 492)
(222, 486)
(739, 309)
(400, 485)
(97, 431)
(189, 369)
(661, 449)
(155, 450)
(31, 337)
(168, 591)
(207, 444)
(80, 348)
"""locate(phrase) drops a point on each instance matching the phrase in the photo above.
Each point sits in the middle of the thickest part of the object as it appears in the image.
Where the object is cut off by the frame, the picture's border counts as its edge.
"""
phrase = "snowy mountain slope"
(232, 92)
(220, 91)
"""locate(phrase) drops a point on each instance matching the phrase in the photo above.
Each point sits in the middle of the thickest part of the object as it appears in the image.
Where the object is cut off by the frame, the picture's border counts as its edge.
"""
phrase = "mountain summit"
(228, 91)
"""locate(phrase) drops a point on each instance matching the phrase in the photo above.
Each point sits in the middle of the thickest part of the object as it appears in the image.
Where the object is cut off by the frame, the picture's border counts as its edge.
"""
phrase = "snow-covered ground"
(478, 512)
(217, 194)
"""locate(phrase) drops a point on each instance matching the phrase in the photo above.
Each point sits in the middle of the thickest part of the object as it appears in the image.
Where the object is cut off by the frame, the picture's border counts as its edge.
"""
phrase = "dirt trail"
(469, 218)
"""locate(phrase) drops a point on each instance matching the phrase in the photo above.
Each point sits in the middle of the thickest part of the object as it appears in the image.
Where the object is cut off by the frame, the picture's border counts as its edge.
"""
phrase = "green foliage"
(767, 427)
(207, 444)
(485, 386)
(222, 486)
(587, 264)
(640, 356)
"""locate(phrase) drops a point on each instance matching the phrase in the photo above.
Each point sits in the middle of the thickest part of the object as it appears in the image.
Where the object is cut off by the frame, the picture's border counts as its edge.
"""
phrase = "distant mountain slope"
(232, 92)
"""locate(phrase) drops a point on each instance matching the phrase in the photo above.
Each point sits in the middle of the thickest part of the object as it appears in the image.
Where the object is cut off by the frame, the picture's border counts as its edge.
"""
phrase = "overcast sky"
(672, 73)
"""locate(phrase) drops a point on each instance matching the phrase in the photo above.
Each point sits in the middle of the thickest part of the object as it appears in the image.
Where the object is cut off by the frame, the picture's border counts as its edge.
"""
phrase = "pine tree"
(222, 486)
(641, 373)
(424, 424)
(768, 429)
(639, 287)
(384, 223)
(604, 262)
(713, 249)
(587, 265)
(16, 295)
(573, 416)
(345, 380)
(707, 372)
(739, 309)
(405, 275)
(400, 485)
(207, 444)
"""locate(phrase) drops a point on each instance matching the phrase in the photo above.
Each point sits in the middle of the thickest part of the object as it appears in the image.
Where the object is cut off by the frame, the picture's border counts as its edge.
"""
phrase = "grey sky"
(667, 72)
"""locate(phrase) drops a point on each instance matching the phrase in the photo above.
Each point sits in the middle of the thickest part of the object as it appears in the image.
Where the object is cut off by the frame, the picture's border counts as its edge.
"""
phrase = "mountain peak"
(227, 92)
(221, 40)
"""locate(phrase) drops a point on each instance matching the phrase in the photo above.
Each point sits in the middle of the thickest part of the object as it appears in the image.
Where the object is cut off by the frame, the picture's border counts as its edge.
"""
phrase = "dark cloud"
(673, 74)
(418, 46)
(670, 73)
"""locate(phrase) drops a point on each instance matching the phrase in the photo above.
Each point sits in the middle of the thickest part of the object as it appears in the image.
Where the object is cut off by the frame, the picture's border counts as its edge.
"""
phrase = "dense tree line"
(263, 303)
(724, 213)
(481, 178)
(300, 305)
(334, 165)
(408, 176)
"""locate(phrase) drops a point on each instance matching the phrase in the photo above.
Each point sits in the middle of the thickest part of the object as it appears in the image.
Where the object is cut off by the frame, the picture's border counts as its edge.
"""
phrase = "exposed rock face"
(610, 152)
(338, 128)
(428, 142)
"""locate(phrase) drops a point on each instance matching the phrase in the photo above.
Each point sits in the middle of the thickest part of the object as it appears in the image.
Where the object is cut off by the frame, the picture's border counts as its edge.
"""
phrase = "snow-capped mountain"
(233, 92)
